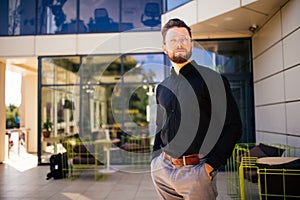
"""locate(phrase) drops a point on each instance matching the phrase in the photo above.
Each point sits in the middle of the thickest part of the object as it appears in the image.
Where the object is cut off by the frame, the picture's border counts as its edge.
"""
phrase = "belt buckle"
(184, 162)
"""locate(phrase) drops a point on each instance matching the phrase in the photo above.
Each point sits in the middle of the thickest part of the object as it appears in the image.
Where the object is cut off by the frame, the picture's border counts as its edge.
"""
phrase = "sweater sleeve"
(231, 132)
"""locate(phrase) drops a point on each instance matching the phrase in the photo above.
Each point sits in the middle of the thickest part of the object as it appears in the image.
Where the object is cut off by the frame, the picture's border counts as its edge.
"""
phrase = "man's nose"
(179, 43)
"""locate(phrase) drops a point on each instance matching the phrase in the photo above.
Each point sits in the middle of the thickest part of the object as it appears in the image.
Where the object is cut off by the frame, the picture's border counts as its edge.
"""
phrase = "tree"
(12, 112)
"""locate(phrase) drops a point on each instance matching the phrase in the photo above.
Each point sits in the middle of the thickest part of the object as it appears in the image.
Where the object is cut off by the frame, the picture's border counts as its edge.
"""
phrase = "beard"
(181, 56)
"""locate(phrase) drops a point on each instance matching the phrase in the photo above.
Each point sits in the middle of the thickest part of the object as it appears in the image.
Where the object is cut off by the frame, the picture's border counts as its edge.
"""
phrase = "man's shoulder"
(164, 83)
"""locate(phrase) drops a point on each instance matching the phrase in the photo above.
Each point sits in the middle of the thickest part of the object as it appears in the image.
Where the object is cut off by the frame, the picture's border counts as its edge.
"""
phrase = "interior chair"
(151, 16)
(102, 20)
(82, 156)
(137, 149)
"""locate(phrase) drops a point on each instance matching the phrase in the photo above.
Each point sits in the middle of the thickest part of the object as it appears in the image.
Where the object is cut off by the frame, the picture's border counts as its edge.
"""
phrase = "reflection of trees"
(96, 67)
(15, 18)
(12, 112)
(69, 64)
(56, 9)
(137, 103)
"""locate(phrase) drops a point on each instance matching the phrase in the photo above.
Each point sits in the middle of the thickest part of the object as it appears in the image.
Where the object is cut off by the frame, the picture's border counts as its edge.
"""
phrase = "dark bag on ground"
(58, 166)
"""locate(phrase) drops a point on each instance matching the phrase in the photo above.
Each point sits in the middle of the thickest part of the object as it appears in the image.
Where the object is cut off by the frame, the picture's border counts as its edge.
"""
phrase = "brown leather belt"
(192, 159)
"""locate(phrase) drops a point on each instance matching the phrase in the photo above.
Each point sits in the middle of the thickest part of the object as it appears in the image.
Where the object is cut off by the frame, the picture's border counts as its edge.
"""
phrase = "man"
(198, 122)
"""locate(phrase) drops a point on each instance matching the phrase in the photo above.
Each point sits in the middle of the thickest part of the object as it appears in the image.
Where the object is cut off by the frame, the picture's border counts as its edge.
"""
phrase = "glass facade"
(89, 94)
(39, 17)
(57, 16)
(232, 58)
(17, 17)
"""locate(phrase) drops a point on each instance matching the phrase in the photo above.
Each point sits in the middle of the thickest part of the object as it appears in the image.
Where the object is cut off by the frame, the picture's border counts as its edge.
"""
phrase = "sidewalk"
(16, 184)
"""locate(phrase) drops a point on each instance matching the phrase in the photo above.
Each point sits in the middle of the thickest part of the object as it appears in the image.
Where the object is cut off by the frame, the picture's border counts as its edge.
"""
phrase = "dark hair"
(175, 22)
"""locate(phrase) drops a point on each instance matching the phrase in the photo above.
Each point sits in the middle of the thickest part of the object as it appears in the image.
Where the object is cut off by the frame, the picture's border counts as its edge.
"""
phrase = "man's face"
(178, 45)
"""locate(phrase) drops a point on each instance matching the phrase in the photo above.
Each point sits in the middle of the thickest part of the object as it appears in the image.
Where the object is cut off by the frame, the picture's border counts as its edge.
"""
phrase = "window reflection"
(225, 56)
(30, 17)
(100, 16)
(60, 70)
(143, 15)
(17, 17)
(87, 94)
(232, 58)
(149, 68)
(57, 16)
(171, 4)
(101, 69)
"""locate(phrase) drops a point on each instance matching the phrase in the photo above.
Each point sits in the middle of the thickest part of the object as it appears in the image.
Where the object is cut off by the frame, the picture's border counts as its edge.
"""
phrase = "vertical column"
(2, 112)
(29, 100)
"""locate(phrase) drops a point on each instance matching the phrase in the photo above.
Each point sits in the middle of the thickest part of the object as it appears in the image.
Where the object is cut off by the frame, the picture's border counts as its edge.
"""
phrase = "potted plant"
(47, 128)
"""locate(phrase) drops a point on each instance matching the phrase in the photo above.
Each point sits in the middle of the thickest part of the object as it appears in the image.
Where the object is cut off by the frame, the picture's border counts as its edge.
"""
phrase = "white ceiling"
(236, 23)
(25, 65)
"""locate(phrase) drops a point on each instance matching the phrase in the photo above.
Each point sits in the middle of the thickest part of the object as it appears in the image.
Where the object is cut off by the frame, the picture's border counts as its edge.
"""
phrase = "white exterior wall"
(29, 108)
(126, 42)
(276, 72)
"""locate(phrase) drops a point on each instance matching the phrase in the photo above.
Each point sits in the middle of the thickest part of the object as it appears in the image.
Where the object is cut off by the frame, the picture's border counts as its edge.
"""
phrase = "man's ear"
(165, 49)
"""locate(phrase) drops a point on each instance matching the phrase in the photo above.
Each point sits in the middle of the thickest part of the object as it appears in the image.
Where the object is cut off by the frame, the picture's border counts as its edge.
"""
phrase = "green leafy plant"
(47, 127)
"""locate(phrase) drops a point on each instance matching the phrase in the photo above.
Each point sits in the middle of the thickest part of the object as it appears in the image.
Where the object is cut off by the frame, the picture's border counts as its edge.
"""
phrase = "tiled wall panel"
(267, 36)
(271, 118)
(290, 17)
(293, 118)
(269, 63)
(276, 68)
(270, 90)
(292, 84)
(291, 49)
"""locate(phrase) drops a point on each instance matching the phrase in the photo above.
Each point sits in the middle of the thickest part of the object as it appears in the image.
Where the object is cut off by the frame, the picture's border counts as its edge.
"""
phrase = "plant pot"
(46, 134)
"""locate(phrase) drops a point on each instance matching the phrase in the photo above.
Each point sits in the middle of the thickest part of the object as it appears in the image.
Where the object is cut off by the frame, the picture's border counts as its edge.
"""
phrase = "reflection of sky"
(152, 63)
(69, 10)
(203, 57)
(173, 4)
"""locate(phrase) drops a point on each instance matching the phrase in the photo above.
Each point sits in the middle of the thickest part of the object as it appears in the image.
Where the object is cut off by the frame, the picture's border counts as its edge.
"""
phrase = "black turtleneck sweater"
(184, 115)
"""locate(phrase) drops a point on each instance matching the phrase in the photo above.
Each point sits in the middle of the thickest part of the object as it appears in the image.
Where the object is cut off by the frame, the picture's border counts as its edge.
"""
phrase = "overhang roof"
(237, 23)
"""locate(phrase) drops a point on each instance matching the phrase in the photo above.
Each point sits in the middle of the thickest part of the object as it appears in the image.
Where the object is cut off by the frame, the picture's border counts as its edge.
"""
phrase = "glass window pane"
(96, 110)
(4, 16)
(60, 70)
(100, 16)
(225, 56)
(104, 99)
(141, 14)
(171, 4)
(17, 17)
(149, 68)
(232, 58)
(59, 117)
(57, 17)
(101, 69)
